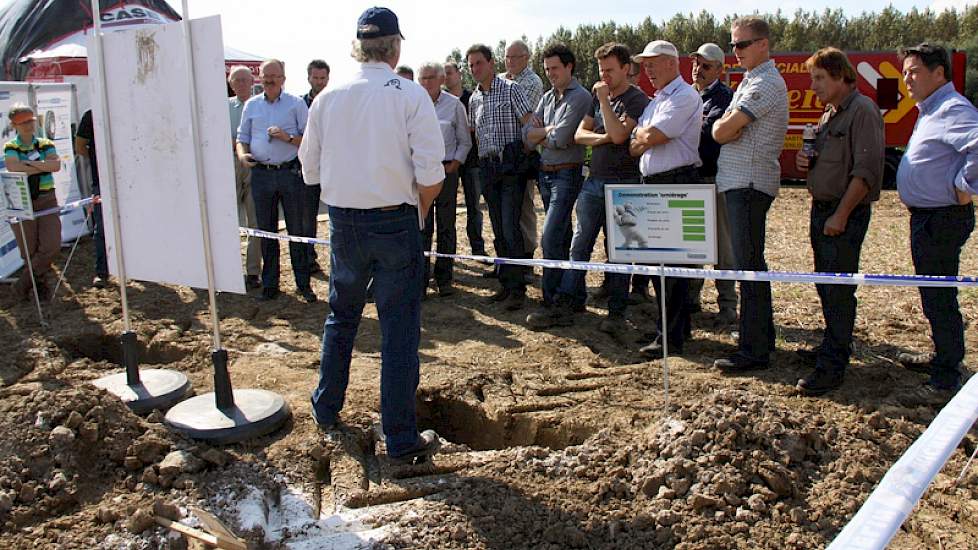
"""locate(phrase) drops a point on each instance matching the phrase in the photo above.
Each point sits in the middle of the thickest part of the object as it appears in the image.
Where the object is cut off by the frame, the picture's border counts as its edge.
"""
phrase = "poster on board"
(55, 108)
(155, 180)
(10, 93)
(15, 200)
(661, 224)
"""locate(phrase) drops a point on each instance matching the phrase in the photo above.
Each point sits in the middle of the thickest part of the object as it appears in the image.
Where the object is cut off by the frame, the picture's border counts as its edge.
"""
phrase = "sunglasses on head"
(744, 43)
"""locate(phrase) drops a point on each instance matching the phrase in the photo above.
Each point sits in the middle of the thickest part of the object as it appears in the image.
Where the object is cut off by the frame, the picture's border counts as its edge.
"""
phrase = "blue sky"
(299, 31)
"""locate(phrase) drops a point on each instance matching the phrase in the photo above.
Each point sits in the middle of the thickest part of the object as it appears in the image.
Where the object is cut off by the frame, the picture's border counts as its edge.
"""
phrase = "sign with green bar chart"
(661, 224)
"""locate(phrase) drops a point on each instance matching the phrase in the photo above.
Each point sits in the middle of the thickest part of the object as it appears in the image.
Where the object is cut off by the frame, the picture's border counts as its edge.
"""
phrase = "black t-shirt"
(610, 160)
(86, 130)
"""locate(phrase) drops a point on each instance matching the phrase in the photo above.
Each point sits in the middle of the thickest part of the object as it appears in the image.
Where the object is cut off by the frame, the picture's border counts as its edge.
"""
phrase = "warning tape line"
(55, 210)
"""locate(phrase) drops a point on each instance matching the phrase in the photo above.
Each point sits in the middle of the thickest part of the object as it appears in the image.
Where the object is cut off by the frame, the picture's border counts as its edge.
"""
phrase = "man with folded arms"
(667, 138)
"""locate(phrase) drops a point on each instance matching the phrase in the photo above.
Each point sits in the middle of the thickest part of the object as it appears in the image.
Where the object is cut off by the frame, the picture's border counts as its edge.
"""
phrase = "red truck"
(880, 78)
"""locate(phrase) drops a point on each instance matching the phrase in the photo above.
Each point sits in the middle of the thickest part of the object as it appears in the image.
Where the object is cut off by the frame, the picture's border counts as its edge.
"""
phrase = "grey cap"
(709, 52)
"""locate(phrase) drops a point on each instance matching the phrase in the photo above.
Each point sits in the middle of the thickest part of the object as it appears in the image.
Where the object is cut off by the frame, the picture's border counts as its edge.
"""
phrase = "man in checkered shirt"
(751, 133)
(498, 109)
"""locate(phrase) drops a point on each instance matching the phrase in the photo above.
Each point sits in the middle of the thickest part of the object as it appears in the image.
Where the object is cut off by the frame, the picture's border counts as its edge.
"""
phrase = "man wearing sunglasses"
(751, 134)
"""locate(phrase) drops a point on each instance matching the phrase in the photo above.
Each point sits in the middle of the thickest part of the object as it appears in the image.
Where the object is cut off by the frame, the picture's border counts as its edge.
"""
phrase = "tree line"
(805, 31)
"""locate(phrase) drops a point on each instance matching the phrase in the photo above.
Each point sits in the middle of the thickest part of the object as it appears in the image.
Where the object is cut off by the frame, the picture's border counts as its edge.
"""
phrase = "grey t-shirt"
(612, 161)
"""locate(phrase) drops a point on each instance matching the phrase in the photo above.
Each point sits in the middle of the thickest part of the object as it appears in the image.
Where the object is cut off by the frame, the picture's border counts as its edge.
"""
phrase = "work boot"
(820, 381)
(552, 316)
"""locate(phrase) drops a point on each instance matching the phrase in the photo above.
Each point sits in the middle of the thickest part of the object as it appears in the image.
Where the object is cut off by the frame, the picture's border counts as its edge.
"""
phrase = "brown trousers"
(41, 239)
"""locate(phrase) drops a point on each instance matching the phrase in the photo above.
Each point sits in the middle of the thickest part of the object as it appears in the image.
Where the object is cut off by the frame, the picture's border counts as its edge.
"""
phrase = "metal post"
(664, 323)
(222, 380)
(129, 340)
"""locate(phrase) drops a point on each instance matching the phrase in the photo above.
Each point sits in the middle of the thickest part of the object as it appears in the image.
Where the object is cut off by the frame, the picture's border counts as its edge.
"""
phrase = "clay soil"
(555, 439)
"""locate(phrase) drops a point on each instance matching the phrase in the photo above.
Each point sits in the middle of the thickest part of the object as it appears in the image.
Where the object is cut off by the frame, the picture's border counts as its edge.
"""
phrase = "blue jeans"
(310, 209)
(559, 192)
(747, 215)
(936, 238)
(590, 211)
(839, 254)
(504, 192)
(385, 246)
(472, 189)
(442, 215)
(269, 188)
(98, 236)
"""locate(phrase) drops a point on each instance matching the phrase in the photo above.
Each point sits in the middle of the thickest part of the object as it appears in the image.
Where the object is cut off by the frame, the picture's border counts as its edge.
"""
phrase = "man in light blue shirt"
(269, 136)
(937, 176)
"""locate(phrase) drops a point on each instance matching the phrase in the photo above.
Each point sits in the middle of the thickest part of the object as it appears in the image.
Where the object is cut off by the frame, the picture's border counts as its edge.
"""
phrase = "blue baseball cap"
(377, 22)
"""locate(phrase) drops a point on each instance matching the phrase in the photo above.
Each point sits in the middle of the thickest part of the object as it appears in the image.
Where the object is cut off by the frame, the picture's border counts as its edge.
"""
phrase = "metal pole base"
(254, 413)
(156, 389)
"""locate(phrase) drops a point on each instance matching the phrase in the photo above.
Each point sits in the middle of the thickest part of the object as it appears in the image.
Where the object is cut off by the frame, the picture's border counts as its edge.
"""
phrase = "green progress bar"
(694, 229)
(700, 238)
(686, 204)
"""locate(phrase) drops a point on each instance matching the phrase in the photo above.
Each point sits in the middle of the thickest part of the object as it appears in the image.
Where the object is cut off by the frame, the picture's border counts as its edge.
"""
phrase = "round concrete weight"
(255, 413)
(157, 389)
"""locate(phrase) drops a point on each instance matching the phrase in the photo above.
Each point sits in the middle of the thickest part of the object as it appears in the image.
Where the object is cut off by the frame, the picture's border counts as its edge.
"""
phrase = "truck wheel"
(891, 161)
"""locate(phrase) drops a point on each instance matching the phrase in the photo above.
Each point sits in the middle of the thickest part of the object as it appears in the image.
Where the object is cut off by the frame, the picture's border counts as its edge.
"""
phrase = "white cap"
(656, 48)
(709, 52)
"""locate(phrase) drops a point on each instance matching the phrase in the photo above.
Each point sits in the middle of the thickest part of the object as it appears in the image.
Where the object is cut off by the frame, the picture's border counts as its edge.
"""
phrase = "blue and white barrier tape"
(894, 499)
(867, 279)
(54, 210)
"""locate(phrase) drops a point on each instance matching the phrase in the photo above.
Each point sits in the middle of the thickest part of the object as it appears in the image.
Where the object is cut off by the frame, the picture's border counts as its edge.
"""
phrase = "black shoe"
(102, 281)
(308, 295)
(445, 289)
(268, 294)
(427, 445)
(725, 318)
(515, 301)
(500, 295)
(916, 362)
(820, 381)
(252, 282)
(314, 268)
(739, 363)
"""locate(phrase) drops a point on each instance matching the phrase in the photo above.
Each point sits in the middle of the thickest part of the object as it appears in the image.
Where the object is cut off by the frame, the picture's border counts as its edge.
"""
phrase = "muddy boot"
(428, 444)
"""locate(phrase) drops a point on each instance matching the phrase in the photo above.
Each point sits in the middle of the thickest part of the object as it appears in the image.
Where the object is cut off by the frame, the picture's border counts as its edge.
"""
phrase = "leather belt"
(559, 167)
(280, 166)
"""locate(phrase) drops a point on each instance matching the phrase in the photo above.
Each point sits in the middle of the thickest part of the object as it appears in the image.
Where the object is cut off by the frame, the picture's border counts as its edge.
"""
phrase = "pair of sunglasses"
(743, 43)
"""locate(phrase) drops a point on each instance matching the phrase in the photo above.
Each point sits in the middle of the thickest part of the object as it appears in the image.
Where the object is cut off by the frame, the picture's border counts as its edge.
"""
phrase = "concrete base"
(255, 413)
(157, 389)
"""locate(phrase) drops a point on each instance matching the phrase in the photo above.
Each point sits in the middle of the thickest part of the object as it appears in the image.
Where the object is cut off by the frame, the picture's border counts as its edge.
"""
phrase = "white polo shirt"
(677, 112)
(369, 140)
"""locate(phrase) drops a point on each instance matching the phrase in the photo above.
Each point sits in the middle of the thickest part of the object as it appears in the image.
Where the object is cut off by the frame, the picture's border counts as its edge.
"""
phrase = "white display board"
(152, 154)
(56, 112)
(10, 93)
(661, 224)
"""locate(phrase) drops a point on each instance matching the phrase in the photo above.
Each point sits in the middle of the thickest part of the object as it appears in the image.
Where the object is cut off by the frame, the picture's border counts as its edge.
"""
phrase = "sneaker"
(428, 444)
(252, 282)
(308, 295)
(499, 296)
(654, 349)
(820, 381)
(613, 324)
(515, 301)
(739, 363)
(102, 281)
(916, 362)
(268, 294)
(552, 316)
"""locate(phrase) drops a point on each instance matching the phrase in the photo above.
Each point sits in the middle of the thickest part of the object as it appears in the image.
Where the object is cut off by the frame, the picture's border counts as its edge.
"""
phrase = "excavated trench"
(106, 347)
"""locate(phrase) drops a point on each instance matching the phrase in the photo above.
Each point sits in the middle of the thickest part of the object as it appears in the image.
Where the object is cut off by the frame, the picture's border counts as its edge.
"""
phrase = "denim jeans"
(98, 236)
(590, 211)
(504, 192)
(559, 191)
(384, 245)
(839, 254)
(936, 238)
(442, 215)
(310, 209)
(472, 189)
(747, 214)
(269, 188)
